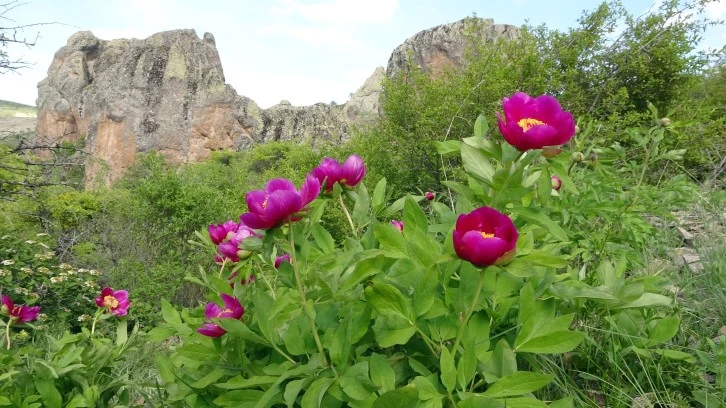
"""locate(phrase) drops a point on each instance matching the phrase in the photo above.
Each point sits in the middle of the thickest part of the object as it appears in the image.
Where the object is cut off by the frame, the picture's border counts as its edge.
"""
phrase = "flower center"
(110, 302)
(224, 311)
(264, 203)
(529, 123)
(486, 235)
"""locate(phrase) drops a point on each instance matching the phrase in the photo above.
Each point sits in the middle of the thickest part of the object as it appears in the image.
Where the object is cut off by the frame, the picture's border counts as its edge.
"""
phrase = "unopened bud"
(593, 158)
(551, 151)
(578, 157)
(430, 196)
(556, 183)
(665, 122)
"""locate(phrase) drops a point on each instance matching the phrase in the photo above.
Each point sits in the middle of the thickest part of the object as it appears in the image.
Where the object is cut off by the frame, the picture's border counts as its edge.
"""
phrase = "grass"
(10, 109)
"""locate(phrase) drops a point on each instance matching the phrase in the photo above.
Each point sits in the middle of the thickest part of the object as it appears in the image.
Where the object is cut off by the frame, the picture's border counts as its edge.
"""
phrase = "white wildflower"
(8, 262)
(30, 241)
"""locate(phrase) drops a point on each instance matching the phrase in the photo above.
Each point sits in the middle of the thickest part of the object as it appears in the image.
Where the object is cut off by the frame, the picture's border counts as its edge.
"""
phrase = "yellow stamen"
(485, 235)
(223, 312)
(529, 123)
(264, 203)
(110, 302)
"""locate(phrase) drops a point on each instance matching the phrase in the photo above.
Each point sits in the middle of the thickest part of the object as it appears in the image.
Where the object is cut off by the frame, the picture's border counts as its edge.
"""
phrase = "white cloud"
(716, 10)
(342, 11)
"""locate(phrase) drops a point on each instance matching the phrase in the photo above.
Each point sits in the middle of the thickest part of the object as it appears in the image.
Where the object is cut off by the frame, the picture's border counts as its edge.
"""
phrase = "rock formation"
(167, 93)
(436, 48)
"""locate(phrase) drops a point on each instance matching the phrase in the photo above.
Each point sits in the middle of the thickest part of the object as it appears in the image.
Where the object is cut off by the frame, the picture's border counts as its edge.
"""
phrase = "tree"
(12, 33)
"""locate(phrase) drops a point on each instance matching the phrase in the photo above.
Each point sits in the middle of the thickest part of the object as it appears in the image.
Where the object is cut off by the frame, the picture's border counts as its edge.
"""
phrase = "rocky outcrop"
(436, 48)
(167, 93)
(364, 105)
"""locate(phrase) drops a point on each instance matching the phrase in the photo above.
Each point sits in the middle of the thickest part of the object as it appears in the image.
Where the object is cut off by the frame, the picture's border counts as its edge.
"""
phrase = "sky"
(303, 51)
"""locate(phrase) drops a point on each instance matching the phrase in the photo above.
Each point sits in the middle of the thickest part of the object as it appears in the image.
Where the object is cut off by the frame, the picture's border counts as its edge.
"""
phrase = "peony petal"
(8, 302)
(309, 191)
(329, 171)
(211, 330)
(212, 310)
(217, 233)
(280, 259)
(540, 136)
(353, 170)
(281, 205)
(548, 109)
(480, 251)
(232, 303)
(256, 201)
(565, 125)
(517, 107)
(279, 184)
(255, 221)
(121, 295)
(229, 250)
(514, 135)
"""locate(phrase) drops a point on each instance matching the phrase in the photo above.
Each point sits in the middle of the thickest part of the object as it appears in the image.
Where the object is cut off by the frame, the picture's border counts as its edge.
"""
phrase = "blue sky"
(304, 51)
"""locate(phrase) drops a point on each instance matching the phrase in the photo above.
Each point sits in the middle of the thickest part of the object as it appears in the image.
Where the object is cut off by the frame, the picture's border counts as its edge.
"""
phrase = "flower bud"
(551, 151)
(430, 196)
(593, 158)
(578, 157)
(665, 122)
(397, 224)
(556, 183)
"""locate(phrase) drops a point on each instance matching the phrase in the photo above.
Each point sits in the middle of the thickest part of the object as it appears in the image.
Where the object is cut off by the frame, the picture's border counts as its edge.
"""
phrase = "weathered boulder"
(167, 93)
(443, 46)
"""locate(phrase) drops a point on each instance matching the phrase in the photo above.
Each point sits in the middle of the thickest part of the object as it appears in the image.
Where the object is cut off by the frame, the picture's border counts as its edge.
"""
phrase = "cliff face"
(167, 93)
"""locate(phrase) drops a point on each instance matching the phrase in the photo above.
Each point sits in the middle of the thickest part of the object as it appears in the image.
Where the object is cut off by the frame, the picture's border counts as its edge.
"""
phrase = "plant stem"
(7, 333)
(347, 214)
(262, 275)
(430, 343)
(95, 319)
(301, 290)
(468, 313)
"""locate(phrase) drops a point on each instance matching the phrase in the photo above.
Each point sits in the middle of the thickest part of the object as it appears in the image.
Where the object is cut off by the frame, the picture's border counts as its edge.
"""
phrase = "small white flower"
(81, 270)
(54, 280)
(44, 270)
(65, 266)
(43, 245)
(30, 241)
(5, 272)
(84, 317)
(94, 272)
(26, 270)
(90, 284)
(42, 317)
(42, 234)
(8, 262)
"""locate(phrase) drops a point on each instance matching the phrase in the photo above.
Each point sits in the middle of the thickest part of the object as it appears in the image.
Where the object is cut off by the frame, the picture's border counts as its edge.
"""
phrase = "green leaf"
(198, 352)
(413, 215)
(466, 368)
(379, 195)
(447, 147)
(50, 395)
(314, 394)
(5, 401)
(240, 382)
(552, 343)
(387, 300)
(562, 403)
(476, 163)
(503, 361)
(647, 300)
(160, 333)
(239, 398)
(448, 369)
(391, 239)
(210, 378)
(238, 329)
(323, 239)
(381, 373)
(363, 270)
(362, 205)
(537, 217)
(122, 332)
(675, 355)
(355, 382)
(390, 331)
(251, 244)
(426, 390)
(521, 382)
(481, 126)
(665, 329)
(169, 314)
(403, 397)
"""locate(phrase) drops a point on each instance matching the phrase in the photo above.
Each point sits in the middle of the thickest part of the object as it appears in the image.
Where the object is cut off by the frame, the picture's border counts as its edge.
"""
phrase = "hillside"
(13, 109)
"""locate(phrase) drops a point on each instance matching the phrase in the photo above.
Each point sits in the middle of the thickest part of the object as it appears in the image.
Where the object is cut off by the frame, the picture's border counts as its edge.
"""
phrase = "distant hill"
(13, 109)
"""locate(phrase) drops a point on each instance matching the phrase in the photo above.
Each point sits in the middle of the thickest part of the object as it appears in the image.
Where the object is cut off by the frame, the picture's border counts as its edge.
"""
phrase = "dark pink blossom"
(280, 259)
(18, 313)
(279, 202)
(485, 237)
(556, 183)
(231, 249)
(116, 302)
(535, 123)
(232, 310)
(430, 196)
(221, 232)
(397, 224)
(349, 174)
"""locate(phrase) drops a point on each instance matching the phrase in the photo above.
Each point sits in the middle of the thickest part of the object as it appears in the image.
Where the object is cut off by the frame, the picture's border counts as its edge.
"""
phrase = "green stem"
(347, 214)
(288, 358)
(7, 333)
(430, 343)
(95, 319)
(262, 275)
(468, 313)
(304, 300)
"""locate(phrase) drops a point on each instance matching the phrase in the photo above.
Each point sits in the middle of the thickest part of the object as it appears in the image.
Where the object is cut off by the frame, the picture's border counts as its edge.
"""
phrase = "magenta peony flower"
(397, 224)
(429, 195)
(221, 232)
(232, 310)
(18, 313)
(279, 202)
(485, 237)
(535, 123)
(231, 249)
(349, 174)
(116, 302)
(556, 183)
(280, 259)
